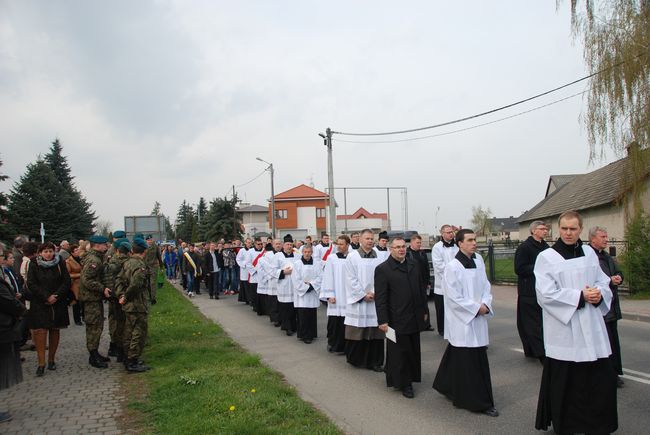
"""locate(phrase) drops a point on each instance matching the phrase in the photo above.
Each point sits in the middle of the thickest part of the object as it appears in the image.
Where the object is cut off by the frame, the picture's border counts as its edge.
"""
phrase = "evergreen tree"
(201, 212)
(5, 231)
(168, 230)
(221, 221)
(156, 209)
(185, 222)
(39, 197)
(79, 215)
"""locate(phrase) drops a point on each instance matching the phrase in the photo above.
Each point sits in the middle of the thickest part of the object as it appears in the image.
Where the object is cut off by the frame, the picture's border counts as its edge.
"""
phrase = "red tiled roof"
(362, 212)
(302, 191)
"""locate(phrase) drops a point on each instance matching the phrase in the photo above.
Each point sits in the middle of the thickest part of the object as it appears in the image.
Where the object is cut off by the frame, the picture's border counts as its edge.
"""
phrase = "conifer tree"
(185, 222)
(221, 220)
(5, 231)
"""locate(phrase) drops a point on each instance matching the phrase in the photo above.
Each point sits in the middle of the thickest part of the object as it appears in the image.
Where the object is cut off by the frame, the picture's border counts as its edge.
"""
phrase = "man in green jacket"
(92, 292)
(134, 296)
(116, 319)
(153, 260)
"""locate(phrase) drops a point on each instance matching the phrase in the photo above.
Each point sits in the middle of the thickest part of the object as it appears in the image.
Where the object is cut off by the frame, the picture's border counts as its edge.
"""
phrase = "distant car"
(406, 235)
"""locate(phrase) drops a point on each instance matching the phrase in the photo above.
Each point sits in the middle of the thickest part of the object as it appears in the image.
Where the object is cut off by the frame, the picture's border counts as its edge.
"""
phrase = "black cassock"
(529, 313)
(400, 301)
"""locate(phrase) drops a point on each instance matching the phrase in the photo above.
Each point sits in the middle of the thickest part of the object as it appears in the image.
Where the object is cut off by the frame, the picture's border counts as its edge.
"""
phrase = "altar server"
(253, 257)
(382, 247)
(578, 388)
(333, 290)
(364, 341)
(240, 258)
(306, 277)
(268, 265)
(323, 250)
(282, 269)
(464, 372)
(441, 254)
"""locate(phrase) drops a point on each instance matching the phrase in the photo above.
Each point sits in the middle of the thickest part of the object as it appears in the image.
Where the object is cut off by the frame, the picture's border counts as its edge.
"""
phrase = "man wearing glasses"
(442, 253)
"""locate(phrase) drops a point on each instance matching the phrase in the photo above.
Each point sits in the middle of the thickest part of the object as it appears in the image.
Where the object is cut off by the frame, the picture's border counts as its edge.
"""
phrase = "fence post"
(491, 260)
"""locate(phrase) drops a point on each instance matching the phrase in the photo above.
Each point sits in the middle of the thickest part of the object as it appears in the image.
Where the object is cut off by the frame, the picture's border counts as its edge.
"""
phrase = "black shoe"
(5, 416)
(430, 328)
(102, 357)
(211, 297)
(377, 369)
(79, 323)
(120, 355)
(619, 382)
(492, 412)
(216, 296)
(330, 349)
(276, 324)
(95, 360)
(198, 292)
(307, 340)
(290, 333)
(112, 349)
(408, 392)
(40, 371)
(51, 365)
(134, 367)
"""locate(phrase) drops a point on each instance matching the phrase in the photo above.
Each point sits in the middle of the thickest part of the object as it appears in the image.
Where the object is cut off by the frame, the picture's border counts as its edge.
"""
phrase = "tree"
(185, 222)
(616, 39)
(637, 256)
(78, 215)
(169, 231)
(103, 228)
(481, 220)
(156, 209)
(201, 211)
(5, 232)
(221, 221)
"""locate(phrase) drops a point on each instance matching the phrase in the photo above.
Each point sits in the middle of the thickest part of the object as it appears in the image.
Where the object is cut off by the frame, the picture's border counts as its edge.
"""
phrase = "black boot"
(95, 360)
(112, 349)
(120, 355)
(134, 367)
(102, 357)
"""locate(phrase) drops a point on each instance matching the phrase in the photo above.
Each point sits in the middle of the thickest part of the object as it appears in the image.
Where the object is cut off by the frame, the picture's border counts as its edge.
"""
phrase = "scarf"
(47, 264)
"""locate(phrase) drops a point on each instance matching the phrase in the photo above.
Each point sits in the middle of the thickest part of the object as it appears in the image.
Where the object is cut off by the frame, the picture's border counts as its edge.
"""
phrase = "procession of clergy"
(379, 292)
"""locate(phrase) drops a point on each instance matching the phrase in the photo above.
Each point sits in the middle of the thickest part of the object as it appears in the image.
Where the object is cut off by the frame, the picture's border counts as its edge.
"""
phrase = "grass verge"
(203, 382)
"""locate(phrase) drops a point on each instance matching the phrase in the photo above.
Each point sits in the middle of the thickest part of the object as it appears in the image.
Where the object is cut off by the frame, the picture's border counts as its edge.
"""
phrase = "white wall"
(307, 219)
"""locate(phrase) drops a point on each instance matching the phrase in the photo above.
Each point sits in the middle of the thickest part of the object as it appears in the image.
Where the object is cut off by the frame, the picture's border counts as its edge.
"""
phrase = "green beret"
(119, 234)
(126, 244)
(138, 236)
(118, 242)
(98, 240)
(141, 243)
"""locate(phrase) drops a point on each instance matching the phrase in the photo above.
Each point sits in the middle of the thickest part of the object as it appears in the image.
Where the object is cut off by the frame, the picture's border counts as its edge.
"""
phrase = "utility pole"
(330, 183)
(270, 169)
(235, 233)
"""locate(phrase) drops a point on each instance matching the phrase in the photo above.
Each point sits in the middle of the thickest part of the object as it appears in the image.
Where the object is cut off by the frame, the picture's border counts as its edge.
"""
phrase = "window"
(281, 214)
(320, 212)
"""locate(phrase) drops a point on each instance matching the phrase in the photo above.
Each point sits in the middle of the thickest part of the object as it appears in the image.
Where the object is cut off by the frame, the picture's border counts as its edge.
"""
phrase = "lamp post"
(270, 169)
(327, 138)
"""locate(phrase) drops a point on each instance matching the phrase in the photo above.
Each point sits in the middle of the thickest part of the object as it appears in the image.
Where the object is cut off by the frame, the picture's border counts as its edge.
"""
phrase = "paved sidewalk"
(74, 399)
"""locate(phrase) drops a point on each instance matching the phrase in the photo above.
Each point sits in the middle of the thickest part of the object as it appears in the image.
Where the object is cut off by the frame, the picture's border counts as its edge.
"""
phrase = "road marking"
(631, 378)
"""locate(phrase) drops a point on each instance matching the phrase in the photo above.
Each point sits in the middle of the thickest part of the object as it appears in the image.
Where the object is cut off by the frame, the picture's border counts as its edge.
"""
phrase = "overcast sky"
(171, 100)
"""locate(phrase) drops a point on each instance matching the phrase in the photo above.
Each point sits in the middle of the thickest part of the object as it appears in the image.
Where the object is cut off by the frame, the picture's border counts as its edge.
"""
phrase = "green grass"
(203, 382)
(504, 269)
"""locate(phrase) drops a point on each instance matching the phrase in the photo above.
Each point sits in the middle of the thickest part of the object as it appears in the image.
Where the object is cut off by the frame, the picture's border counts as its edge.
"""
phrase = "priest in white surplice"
(441, 254)
(252, 258)
(268, 266)
(364, 345)
(282, 269)
(333, 291)
(464, 372)
(578, 389)
(307, 276)
(242, 254)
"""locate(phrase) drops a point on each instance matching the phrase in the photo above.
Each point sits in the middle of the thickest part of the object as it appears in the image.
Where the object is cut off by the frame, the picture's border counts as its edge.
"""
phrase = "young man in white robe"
(441, 254)
(240, 258)
(267, 268)
(333, 290)
(323, 250)
(282, 269)
(578, 388)
(307, 276)
(364, 345)
(253, 257)
(264, 280)
(382, 247)
(464, 372)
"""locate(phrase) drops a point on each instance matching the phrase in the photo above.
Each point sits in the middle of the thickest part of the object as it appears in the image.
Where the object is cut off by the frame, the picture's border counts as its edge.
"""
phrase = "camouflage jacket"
(152, 258)
(92, 277)
(133, 284)
(112, 269)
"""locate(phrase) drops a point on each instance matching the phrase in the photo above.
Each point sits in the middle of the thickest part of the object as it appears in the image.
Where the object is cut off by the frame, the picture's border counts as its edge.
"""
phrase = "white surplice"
(320, 251)
(360, 279)
(241, 257)
(303, 275)
(264, 278)
(333, 285)
(381, 255)
(285, 285)
(440, 257)
(252, 258)
(464, 292)
(572, 334)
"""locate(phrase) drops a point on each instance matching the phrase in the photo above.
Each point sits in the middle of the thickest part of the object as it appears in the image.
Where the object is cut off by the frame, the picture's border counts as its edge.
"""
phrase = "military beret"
(119, 234)
(98, 239)
(125, 244)
(118, 242)
(149, 236)
(141, 243)
(138, 236)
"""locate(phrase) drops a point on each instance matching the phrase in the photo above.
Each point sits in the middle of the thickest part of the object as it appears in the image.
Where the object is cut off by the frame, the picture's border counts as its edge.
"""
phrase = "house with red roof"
(360, 220)
(301, 211)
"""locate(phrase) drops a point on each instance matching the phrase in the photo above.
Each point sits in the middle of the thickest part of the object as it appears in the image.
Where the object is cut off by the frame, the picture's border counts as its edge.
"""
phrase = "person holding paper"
(464, 372)
(578, 388)
(307, 278)
(400, 300)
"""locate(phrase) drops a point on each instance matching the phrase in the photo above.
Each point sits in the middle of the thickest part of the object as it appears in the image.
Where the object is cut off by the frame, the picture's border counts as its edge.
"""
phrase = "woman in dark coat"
(49, 284)
(11, 309)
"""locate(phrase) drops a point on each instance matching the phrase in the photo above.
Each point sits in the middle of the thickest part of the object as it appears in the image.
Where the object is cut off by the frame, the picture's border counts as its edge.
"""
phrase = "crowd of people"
(376, 292)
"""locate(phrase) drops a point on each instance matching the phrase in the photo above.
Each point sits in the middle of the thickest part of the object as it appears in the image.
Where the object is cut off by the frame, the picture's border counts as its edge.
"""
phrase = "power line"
(455, 121)
(248, 182)
(464, 129)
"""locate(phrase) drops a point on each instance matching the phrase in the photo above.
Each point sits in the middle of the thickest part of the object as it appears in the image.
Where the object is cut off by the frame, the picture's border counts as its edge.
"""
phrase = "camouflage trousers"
(153, 282)
(116, 319)
(94, 318)
(135, 334)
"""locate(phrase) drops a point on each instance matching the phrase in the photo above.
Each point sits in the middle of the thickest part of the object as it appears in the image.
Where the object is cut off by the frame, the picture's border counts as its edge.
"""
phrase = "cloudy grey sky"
(170, 100)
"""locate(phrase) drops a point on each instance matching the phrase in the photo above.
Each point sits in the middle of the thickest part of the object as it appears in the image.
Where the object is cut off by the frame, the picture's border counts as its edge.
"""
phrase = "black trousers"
(403, 361)
(615, 344)
(336, 333)
(365, 353)
(439, 302)
(529, 326)
(262, 304)
(307, 327)
(252, 295)
(288, 320)
(272, 308)
(241, 297)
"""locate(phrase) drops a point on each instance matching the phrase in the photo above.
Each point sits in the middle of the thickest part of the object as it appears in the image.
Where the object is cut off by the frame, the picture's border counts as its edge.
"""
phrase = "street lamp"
(270, 169)
(327, 138)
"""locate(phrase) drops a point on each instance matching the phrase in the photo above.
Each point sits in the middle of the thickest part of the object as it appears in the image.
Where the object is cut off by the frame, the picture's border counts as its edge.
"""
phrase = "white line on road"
(631, 378)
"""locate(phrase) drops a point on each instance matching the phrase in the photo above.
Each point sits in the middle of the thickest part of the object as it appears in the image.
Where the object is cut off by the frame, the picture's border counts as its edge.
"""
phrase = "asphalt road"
(359, 401)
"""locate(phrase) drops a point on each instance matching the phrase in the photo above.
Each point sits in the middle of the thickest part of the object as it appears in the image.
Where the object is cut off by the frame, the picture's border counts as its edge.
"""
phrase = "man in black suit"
(400, 303)
(211, 267)
(414, 252)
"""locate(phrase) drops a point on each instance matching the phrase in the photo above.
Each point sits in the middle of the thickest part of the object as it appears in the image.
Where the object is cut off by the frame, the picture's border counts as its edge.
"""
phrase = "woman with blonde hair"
(73, 264)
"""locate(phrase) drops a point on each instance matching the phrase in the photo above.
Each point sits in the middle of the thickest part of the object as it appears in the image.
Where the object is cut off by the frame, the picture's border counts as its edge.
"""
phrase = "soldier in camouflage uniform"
(116, 317)
(92, 292)
(134, 296)
(112, 249)
(153, 260)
